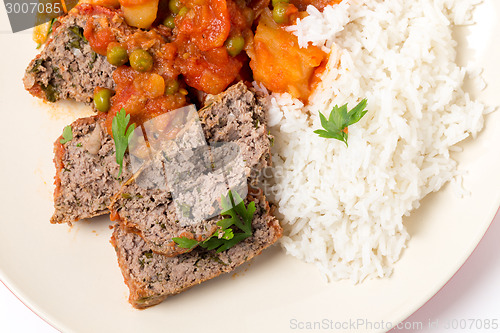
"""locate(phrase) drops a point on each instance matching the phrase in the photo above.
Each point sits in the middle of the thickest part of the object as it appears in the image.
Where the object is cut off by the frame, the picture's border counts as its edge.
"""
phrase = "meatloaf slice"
(235, 116)
(239, 115)
(86, 172)
(67, 67)
(153, 277)
(150, 209)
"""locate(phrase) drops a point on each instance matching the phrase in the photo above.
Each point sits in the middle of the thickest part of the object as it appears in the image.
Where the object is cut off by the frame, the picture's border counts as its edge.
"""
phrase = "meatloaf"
(236, 116)
(86, 172)
(67, 67)
(152, 277)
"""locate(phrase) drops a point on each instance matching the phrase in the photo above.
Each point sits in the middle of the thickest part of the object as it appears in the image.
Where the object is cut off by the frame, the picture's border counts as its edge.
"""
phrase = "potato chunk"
(279, 63)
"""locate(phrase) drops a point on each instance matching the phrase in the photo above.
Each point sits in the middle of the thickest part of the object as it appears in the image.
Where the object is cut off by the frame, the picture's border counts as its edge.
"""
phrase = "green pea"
(279, 13)
(172, 87)
(141, 60)
(102, 99)
(183, 11)
(275, 2)
(234, 45)
(174, 6)
(117, 55)
(169, 22)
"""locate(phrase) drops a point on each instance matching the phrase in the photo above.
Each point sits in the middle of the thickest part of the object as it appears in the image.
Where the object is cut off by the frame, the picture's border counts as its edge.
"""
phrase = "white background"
(472, 294)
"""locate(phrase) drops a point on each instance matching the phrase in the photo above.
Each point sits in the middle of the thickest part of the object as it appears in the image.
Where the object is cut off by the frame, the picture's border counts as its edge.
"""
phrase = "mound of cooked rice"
(343, 207)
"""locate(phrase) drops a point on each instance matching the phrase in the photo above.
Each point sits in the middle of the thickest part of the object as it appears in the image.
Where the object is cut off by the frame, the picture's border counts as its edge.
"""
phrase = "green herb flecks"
(67, 135)
(237, 216)
(36, 66)
(335, 127)
(122, 133)
(51, 92)
(93, 59)
(76, 38)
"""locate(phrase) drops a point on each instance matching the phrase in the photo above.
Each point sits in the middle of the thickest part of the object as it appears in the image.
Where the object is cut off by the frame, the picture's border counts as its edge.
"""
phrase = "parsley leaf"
(121, 135)
(241, 216)
(335, 127)
(185, 243)
(224, 238)
(67, 135)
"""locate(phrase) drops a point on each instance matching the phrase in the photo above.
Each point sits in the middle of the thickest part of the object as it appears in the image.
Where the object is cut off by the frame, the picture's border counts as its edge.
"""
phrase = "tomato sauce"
(207, 23)
(192, 54)
(58, 161)
(98, 36)
(195, 53)
(202, 57)
(142, 95)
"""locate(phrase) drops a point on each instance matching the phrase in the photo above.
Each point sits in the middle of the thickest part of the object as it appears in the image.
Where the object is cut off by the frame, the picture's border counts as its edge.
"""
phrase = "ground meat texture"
(67, 67)
(237, 116)
(86, 172)
(153, 277)
(151, 210)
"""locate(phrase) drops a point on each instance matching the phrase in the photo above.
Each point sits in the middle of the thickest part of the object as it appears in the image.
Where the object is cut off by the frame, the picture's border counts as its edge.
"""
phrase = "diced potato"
(151, 85)
(140, 14)
(279, 63)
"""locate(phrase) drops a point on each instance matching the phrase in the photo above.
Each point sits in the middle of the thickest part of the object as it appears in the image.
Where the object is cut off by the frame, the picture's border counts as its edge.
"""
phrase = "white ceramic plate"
(70, 277)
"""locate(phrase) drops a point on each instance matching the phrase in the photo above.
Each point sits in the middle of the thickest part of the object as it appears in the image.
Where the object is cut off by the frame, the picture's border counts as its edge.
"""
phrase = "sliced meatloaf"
(67, 67)
(153, 277)
(86, 172)
(238, 115)
(152, 211)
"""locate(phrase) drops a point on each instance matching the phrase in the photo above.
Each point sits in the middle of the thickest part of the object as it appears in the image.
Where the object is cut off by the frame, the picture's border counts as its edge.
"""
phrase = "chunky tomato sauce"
(98, 37)
(142, 95)
(192, 54)
(99, 34)
(197, 50)
(202, 57)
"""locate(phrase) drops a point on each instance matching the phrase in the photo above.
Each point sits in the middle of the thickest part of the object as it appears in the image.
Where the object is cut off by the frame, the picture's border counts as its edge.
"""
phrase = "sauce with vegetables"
(201, 46)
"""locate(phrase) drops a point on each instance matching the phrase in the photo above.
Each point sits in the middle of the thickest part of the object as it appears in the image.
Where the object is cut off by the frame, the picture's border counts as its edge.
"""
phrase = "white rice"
(343, 207)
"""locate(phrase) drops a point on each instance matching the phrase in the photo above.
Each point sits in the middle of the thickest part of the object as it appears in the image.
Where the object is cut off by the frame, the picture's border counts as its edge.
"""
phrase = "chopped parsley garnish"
(237, 217)
(185, 243)
(121, 135)
(67, 135)
(335, 127)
